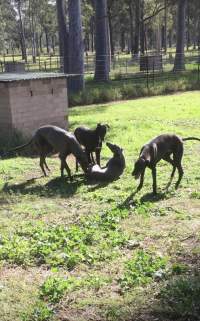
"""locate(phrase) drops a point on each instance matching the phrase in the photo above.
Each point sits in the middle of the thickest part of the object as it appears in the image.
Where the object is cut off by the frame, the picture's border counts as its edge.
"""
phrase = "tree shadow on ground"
(57, 187)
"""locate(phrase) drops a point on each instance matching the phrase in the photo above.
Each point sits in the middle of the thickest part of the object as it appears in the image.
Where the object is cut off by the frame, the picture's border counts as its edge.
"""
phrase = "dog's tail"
(190, 138)
(20, 147)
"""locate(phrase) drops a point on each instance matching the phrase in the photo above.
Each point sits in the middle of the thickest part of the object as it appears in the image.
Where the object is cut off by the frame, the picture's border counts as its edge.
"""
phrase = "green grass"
(101, 252)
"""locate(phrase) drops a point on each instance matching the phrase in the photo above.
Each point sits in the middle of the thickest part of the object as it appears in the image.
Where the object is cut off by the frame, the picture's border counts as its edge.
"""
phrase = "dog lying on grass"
(113, 169)
(161, 147)
(51, 139)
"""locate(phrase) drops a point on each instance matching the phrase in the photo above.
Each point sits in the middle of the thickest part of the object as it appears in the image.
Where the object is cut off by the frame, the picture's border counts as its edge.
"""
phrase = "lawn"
(75, 251)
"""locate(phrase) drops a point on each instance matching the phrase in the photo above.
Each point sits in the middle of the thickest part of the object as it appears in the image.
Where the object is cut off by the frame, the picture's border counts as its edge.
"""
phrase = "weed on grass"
(180, 298)
(142, 268)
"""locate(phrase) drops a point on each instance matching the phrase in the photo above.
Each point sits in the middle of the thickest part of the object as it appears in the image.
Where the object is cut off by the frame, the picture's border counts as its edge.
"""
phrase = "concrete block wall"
(26, 105)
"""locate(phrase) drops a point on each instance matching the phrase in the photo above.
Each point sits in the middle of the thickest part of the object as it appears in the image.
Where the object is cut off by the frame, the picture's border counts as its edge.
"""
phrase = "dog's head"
(83, 161)
(102, 130)
(139, 167)
(116, 150)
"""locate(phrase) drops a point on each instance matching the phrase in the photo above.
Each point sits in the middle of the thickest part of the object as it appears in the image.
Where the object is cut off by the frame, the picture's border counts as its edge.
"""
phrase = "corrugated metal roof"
(7, 77)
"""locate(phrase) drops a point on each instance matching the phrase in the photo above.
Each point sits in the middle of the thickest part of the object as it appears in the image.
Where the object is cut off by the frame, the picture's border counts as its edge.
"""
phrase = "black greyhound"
(161, 147)
(92, 140)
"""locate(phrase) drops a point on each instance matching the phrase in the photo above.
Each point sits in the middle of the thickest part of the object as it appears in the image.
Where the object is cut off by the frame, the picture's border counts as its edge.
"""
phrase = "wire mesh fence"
(149, 67)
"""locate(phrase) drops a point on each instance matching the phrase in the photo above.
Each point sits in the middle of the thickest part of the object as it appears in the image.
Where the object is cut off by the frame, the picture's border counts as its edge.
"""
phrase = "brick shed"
(30, 100)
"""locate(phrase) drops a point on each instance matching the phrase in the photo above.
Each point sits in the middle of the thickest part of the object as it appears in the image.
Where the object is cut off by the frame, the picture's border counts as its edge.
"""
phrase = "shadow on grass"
(58, 186)
(129, 201)
(153, 198)
(146, 198)
(94, 185)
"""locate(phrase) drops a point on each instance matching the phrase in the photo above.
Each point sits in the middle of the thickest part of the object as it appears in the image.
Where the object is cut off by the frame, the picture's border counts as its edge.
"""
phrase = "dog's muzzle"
(136, 176)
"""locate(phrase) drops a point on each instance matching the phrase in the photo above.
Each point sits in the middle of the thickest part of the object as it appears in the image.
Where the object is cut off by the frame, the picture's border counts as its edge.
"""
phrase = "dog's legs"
(68, 171)
(98, 152)
(180, 172)
(154, 180)
(169, 160)
(177, 160)
(88, 156)
(45, 163)
(76, 165)
(92, 158)
(65, 166)
(42, 162)
(141, 181)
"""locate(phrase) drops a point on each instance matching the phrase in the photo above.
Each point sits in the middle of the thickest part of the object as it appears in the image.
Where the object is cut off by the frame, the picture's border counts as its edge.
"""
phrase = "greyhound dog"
(161, 147)
(52, 139)
(92, 140)
(113, 169)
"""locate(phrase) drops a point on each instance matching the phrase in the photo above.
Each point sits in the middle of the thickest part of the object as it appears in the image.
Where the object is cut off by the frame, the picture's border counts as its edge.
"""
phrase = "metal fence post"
(147, 72)
(198, 69)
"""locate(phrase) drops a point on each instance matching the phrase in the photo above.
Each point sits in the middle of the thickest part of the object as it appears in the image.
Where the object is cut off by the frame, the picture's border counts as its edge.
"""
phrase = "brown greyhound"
(161, 147)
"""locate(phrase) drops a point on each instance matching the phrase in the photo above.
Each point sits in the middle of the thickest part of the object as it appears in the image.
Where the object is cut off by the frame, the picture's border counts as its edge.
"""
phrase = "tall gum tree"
(76, 46)
(102, 64)
(63, 34)
(179, 63)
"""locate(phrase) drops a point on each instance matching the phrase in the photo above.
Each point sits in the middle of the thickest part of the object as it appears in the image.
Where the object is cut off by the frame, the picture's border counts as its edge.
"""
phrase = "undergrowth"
(123, 89)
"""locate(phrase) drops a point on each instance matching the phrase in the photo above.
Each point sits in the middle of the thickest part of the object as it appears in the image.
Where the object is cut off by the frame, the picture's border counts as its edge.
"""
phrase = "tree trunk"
(40, 42)
(188, 26)
(122, 41)
(76, 46)
(165, 29)
(22, 33)
(137, 28)
(33, 48)
(198, 35)
(92, 33)
(112, 45)
(179, 63)
(32, 29)
(158, 39)
(142, 28)
(47, 41)
(53, 43)
(102, 41)
(63, 35)
(37, 44)
(130, 7)
(170, 38)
